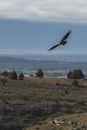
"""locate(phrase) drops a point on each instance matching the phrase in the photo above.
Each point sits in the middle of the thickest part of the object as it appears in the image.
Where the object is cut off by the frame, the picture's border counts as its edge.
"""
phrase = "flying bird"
(62, 41)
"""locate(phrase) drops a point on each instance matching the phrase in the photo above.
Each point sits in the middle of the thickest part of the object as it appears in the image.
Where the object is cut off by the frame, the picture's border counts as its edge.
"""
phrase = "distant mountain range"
(51, 68)
(58, 57)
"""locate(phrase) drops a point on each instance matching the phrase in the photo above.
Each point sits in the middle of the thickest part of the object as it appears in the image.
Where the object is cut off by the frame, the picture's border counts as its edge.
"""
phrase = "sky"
(32, 27)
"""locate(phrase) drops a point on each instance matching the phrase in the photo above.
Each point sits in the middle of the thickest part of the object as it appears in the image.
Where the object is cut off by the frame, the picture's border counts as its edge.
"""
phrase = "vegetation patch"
(30, 102)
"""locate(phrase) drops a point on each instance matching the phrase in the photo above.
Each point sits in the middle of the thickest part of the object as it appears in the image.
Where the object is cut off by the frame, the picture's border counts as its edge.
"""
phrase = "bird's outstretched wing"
(66, 36)
(62, 41)
(54, 46)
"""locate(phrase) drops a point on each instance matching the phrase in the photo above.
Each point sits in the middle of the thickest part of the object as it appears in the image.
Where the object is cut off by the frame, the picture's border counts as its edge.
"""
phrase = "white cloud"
(7, 51)
(26, 52)
(45, 10)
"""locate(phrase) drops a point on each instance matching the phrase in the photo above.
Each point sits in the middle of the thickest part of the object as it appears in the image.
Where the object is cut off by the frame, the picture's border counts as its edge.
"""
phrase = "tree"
(13, 75)
(39, 73)
(21, 76)
(75, 74)
(5, 73)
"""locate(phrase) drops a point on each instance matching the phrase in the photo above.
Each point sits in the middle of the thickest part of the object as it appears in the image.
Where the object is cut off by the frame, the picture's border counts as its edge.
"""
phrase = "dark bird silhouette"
(62, 41)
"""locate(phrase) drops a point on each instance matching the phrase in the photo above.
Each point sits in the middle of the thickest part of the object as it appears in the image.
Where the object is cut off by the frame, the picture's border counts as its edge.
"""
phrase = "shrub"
(81, 102)
(66, 91)
(75, 74)
(5, 73)
(75, 83)
(13, 75)
(39, 73)
(3, 81)
(31, 75)
(21, 76)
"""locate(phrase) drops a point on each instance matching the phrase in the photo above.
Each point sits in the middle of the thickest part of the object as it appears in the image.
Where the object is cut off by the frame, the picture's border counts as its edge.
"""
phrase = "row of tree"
(75, 74)
(13, 75)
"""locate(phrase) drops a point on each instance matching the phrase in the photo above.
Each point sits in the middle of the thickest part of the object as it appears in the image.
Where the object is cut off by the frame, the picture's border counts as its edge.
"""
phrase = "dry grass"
(79, 118)
(36, 92)
(53, 81)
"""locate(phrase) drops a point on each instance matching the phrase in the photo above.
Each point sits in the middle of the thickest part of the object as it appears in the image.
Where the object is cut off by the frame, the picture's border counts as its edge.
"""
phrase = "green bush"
(13, 75)
(31, 75)
(21, 76)
(75, 74)
(5, 73)
(39, 73)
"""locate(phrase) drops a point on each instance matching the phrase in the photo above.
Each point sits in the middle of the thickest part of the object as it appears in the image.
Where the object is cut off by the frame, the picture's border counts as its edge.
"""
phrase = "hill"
(66, 122)
(33, 101)
(50, 68)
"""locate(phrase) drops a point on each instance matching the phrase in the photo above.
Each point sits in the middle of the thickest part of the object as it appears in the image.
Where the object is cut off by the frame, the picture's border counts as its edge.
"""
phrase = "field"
(42, 104)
